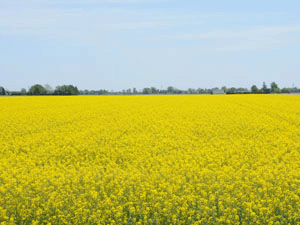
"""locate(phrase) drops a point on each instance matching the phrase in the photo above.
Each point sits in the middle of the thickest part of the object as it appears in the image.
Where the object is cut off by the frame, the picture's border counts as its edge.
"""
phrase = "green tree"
(37, 89)
(254, 89)
(277, 90)
(285, 90)
(66, 90)
(265, 89)
(147, 91)
(2, 91)
(231, 90)
(224, 88)
(128, 91)
(190, 91)
(170, 90)
(86, 92)
(23, 91)
(49, 89)
(274, 87)
(154, 90)
(135, 91)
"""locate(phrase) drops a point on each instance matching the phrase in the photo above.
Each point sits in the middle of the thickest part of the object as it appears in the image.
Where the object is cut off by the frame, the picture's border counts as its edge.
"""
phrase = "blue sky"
(120, 44)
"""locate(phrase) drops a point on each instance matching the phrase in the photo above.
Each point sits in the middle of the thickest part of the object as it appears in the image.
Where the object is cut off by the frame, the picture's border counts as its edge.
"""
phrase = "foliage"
(254, 89)
(37, 90)
(147, 91)
(274, 88)
(2, 91)
(265, 89)
(72, 90)
(23, 91)
(49, 89)
(170, 90)
(66, 90)
(15, 93)
(231, 90)
(154, 90)
(150, 160)
(224, 88)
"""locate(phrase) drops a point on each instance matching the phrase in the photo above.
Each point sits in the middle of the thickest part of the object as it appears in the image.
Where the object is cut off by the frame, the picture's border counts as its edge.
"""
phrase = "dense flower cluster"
(150, 160)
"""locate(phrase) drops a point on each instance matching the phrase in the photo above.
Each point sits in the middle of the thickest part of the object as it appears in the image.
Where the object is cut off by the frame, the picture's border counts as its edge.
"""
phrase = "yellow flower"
(150, 159)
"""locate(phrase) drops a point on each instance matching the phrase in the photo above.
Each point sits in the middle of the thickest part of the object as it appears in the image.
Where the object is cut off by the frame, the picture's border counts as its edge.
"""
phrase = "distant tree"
(170, 90)
(128, 91)
(201, 91)
(134, 91)
(147, 91)
(154, 90)
(66, 90)
(15, 93)
(190, 91)
(163, 91)
(37, 89)
(2, 91)
(99, 92)
(274, 87)
(23, 91)
(241, 90)
(49, 89)
(293, 89)
(215, 90)
(224, 88)
(231, 90)
(265, 89)
(254, 89)
(285, 90)
(277, 90)
(178, 91)
(85, 92)
(74, 90)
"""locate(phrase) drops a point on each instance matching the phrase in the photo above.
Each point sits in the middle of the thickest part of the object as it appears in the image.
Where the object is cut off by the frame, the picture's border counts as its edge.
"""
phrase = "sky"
(121, 44)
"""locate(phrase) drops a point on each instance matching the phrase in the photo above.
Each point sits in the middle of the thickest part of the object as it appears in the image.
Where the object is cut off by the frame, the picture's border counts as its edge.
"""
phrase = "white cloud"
(91, 24)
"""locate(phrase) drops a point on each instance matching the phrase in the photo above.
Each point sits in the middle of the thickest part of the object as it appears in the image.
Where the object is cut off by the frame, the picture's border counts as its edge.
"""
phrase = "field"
(150, 160)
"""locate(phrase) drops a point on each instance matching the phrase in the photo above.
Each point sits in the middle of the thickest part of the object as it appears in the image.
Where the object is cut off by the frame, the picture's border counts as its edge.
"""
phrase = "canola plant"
(150, 160)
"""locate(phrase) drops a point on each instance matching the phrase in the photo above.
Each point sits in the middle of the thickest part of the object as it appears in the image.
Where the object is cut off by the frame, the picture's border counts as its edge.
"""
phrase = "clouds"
(144, 42)
(264, 31)
(245, 39)
(87, 26)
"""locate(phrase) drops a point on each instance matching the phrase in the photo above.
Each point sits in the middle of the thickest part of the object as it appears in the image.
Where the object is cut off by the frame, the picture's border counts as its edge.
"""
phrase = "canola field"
(150, 160)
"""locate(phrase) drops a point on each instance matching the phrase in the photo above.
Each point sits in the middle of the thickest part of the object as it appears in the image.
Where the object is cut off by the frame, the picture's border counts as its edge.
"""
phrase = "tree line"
(39, 89)
(274, 88)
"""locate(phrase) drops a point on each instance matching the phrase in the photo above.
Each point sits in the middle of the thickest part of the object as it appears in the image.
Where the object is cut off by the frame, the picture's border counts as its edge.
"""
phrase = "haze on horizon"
(120, 44)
